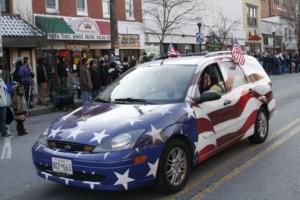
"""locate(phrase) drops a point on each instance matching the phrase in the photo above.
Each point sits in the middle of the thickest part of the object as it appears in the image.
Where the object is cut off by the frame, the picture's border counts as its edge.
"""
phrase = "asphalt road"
(243, 171)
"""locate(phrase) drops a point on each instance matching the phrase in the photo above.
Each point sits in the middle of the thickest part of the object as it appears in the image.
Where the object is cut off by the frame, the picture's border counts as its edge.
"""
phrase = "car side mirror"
(208, 96)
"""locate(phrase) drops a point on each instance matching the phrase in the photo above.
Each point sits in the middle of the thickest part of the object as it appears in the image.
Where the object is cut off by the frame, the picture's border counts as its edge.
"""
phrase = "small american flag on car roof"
(238, 55)
(172, 51)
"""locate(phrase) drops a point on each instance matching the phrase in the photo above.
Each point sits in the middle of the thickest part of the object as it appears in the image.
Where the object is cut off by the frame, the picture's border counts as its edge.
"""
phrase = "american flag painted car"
(154, 123)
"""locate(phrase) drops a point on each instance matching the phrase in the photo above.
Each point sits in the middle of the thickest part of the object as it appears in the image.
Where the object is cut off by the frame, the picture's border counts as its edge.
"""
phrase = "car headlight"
(43, 139)
(123, 141)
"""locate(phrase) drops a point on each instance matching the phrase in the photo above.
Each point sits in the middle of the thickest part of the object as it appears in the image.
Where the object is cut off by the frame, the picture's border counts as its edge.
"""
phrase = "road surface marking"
(6, 150)
(214, 171)
(246, 165)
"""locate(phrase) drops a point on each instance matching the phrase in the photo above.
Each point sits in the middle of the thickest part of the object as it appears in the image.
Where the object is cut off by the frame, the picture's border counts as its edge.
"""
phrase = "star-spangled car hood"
(80, 125)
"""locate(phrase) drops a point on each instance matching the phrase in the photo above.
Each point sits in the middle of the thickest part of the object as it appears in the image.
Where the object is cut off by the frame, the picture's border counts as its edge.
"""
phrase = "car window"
(254, 70)
(233, 75)
(156, 84)
(211, 80)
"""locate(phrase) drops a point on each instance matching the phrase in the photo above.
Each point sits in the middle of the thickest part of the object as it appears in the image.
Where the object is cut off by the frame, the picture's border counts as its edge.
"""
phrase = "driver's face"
(207, 80)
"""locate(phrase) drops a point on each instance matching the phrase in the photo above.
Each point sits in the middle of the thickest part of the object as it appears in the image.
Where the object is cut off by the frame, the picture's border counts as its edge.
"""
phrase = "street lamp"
(200, 43)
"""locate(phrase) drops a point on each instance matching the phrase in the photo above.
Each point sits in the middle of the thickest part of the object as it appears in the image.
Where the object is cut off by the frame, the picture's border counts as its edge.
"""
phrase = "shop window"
(51, 6)
(106, 8)
(82, 7)
(4, 6)
(129, 9)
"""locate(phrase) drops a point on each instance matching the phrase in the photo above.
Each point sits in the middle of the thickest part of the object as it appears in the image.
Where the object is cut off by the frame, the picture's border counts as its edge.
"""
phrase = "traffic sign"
(199, 37)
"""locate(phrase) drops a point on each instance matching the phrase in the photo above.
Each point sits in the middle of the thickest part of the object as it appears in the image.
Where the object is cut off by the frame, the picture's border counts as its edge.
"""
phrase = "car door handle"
(227, 102)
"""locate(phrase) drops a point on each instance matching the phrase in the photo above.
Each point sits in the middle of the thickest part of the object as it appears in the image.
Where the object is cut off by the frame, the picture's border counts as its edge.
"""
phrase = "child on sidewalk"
(20, 109)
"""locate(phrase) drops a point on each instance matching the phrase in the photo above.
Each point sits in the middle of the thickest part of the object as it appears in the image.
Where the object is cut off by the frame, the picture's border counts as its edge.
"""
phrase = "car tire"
(177, 153)
(261, 128)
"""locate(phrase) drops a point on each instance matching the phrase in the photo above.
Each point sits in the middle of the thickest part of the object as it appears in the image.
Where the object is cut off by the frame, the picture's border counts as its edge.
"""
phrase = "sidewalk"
(39, 110)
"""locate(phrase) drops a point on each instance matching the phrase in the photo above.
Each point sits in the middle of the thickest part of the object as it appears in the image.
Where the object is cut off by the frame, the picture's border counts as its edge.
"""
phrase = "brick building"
(279, 20)
(77, 28)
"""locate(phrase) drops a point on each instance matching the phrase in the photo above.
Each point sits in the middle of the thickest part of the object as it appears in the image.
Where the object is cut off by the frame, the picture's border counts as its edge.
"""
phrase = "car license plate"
(62, 166)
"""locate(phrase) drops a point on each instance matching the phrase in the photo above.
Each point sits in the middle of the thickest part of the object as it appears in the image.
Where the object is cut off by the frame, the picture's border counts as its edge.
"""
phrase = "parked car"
(155, 122)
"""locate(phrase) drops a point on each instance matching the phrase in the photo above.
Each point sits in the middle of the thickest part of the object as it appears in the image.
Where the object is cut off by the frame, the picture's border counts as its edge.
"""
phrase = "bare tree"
(220, 31)
(165, 16)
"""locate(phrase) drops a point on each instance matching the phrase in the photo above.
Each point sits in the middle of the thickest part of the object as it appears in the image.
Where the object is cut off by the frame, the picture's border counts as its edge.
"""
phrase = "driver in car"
(208, 84)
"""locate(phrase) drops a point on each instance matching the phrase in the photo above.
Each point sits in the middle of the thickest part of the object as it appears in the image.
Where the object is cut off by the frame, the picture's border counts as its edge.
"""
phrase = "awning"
(17, 32)
(52, 25)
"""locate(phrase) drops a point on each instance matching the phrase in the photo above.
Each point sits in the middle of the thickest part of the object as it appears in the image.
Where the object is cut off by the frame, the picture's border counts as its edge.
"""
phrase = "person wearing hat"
(96, 79)
(86, 85)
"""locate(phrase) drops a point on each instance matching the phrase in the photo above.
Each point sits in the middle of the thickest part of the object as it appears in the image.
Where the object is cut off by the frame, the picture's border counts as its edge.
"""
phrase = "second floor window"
(106, 8)
(4, 6)
(129, 9)
(51, 6)
(82, 7)
(252, 16)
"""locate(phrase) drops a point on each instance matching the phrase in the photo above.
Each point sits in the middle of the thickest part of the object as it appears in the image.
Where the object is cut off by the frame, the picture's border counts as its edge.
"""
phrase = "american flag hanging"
(172, 51)
(237, 52)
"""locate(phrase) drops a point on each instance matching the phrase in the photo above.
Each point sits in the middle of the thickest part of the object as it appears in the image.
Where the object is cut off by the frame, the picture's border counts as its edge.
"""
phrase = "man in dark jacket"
(103, 70)
(62, 72)
(85, 84)
(96, 79)
(42, 81)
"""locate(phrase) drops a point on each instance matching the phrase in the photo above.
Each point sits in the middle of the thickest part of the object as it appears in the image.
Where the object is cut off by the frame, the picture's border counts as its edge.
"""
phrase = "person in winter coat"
(26, 76)
(15, 74)
(42, 81)
(19, 107)
(96, 79)
(86, 85)
(104, 75)
(62, 72)
(4, 103)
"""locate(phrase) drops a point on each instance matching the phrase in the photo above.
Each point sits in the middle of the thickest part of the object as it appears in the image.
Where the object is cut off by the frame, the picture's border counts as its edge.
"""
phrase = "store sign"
(66, 36)
(129, 41)
(84, 29)
(87, 26)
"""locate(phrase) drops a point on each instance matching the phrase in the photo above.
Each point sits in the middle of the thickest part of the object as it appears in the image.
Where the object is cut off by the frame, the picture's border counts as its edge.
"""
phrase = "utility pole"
(114, 27)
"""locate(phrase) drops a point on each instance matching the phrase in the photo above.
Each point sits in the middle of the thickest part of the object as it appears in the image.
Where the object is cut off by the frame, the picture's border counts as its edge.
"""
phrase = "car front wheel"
(174, 167)
(261, 128)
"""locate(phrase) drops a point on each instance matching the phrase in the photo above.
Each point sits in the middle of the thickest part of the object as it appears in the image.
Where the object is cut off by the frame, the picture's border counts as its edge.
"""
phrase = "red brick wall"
(68, 8)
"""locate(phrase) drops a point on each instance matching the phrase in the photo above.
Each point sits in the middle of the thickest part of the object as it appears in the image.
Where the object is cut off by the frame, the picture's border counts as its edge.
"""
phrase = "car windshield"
(150, 85)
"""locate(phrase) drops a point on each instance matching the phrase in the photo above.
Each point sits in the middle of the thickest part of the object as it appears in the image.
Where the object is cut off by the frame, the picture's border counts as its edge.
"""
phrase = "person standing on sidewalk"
(19, 106)
(42, 81)
(62, 73)
(4, 104)
(96, 79)
(26, 75)
(85, 84)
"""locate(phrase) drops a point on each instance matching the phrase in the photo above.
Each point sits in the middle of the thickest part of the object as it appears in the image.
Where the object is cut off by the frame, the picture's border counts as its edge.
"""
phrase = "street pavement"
(243, 171)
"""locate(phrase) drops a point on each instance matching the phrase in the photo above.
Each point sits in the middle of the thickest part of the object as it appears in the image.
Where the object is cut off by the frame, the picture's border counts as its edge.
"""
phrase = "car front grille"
(69, 146)
(79, 176)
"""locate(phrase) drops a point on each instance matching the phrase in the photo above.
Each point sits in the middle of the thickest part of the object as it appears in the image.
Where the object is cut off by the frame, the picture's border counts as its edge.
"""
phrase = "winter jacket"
(96, 79)
(26, 75)
(85, 79)
(61, 70)
(41, 74)
(4, 96)
(18, 101)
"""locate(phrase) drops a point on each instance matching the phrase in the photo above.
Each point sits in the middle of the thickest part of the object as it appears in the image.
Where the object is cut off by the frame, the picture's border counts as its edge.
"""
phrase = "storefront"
(19, 39)
(74, 37)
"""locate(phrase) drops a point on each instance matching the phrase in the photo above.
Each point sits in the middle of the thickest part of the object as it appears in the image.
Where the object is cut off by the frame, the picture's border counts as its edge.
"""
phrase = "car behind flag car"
(172, 51)
(238, 54)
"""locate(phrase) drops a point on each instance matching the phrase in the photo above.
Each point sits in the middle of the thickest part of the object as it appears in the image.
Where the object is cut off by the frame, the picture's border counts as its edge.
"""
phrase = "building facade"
(77, 28)
(284, 13)
(20, 38)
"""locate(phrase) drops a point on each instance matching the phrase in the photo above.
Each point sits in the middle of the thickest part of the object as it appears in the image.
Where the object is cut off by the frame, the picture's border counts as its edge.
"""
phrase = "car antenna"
(163, 59)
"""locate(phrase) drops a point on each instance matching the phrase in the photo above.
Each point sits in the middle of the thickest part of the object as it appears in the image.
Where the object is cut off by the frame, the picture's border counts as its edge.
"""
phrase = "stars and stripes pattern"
(172, 52)
(237, 52)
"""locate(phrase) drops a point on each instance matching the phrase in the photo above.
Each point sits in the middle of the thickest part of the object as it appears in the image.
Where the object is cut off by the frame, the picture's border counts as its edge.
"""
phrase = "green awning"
(52, 25)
